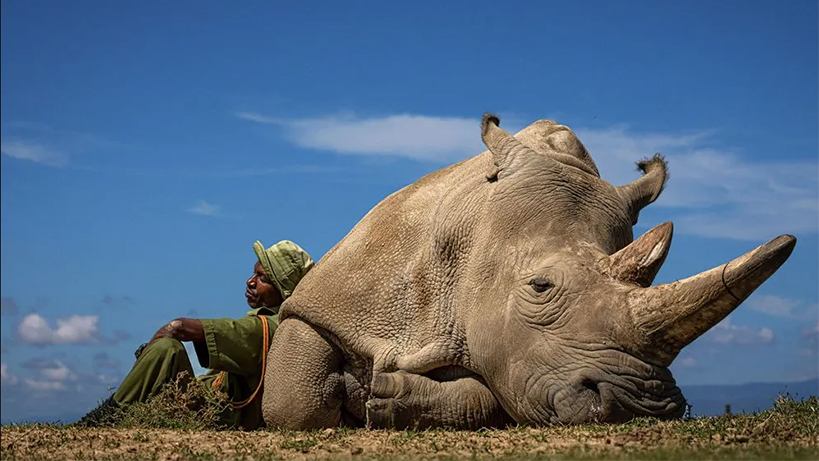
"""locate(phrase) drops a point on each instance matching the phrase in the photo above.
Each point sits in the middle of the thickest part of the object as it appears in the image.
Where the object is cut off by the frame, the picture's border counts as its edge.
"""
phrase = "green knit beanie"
(285, 263)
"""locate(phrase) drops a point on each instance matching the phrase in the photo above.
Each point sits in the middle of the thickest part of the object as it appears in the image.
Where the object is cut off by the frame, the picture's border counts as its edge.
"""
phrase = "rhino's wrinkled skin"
(505, 288)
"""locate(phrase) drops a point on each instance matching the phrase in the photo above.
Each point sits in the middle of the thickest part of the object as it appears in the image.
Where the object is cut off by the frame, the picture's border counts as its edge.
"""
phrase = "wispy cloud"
(51, 369)
(716, 192)
(71, 140)
(810, 340)
(204, 208)
(261, 118)
(264, 171)
(782, 307)
(7, 378)
(728, 333)
(44, 385)
(412, 136)
(76, 329)
(54, 147)
(34, 152)
(58, 387)
(50, 375)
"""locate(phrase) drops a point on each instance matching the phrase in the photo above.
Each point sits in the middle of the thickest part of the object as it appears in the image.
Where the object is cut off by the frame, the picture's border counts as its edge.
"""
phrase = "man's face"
(260, 290)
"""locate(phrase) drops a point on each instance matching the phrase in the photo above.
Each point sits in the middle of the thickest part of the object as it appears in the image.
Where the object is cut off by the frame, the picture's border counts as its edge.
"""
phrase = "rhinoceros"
(503, 289)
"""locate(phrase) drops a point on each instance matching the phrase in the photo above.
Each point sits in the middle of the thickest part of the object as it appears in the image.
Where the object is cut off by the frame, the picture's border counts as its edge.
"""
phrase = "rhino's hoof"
(381, 413)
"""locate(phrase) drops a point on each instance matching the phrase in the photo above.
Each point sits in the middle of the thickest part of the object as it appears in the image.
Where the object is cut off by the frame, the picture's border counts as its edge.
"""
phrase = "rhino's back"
(384, 283)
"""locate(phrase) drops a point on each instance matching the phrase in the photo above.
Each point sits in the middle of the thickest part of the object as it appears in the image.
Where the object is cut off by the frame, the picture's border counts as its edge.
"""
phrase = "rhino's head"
(568, 304)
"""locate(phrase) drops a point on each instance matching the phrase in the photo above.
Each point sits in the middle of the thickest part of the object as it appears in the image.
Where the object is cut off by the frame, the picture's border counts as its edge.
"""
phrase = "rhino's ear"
(501, 144)
(640, 261)
(645, 190)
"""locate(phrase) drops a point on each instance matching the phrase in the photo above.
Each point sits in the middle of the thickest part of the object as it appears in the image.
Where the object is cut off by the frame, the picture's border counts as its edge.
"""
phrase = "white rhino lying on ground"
(505, 288)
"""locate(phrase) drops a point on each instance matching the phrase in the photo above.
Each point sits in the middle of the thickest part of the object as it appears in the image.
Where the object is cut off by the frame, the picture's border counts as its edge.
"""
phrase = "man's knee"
(161, 362)
(163, 348)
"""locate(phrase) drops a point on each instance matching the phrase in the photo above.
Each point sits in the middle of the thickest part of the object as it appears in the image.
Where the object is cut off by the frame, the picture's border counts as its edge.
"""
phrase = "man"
(234, 350)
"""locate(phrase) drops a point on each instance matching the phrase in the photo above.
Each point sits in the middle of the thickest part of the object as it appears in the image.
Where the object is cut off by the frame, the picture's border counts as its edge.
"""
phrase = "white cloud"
(6, 377)
(77, 329)
(413, 136)
(774, 305)
(727, 333)
(108, 379)
(34, 152)
(716, 192)
(44, 385)
(810, 340)
(57, 371)
(52, 375)
(204, 208)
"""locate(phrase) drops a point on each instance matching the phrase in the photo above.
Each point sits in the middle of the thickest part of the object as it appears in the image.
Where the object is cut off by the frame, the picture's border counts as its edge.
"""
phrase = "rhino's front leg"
(403, 400)
(303, 386)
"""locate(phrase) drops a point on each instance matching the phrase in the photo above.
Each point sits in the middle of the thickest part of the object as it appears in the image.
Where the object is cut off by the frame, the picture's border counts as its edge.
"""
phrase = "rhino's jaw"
(617, 399)
(591, 394)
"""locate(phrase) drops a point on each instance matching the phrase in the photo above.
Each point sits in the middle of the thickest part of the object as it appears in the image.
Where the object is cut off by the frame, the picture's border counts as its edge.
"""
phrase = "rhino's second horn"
(640, 261)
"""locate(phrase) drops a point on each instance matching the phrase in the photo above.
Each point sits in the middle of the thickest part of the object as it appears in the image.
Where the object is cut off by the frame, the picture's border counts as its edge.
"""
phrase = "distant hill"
(710, 400)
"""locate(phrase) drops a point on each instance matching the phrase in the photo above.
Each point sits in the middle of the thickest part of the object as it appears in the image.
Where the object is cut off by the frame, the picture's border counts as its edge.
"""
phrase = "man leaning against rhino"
(234, 349)
(509, 289)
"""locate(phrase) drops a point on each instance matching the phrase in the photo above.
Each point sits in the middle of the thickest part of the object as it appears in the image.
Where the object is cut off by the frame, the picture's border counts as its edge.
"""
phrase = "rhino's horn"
(673, 315)
(645, 190)
(640, 261)
(502, 144)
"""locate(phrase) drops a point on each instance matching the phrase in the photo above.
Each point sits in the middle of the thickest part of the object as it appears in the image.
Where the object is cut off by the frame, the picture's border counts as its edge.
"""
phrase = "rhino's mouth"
(609, 386)
(616, 396)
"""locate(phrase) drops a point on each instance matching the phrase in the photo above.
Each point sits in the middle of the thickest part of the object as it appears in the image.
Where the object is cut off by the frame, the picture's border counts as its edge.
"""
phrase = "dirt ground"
(655, 440)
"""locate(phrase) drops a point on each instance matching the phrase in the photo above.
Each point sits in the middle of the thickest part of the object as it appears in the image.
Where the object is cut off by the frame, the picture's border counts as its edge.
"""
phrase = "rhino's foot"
(402, 400)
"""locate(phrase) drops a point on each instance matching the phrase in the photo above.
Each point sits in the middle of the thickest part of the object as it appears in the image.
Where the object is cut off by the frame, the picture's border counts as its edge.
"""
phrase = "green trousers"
(162, 361)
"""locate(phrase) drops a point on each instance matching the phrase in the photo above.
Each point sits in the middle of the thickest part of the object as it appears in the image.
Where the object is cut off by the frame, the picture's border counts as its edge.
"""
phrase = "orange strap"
(217, 383)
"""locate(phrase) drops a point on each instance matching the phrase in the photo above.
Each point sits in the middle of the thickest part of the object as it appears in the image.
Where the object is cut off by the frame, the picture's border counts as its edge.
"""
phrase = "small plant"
(181, 404)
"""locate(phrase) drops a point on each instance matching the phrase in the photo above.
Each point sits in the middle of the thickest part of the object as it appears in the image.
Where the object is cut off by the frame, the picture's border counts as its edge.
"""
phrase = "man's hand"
(181, 329)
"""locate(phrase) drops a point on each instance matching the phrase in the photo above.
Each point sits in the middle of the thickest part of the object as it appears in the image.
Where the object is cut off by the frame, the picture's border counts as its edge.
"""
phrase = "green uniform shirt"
(235, 346)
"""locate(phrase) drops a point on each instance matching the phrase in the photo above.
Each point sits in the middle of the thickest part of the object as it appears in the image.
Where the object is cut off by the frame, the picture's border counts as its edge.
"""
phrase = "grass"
(789, 430)
(177, 406)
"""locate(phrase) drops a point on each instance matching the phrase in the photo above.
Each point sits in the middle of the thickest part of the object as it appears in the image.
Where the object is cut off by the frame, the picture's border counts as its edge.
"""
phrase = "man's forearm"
(182, 329)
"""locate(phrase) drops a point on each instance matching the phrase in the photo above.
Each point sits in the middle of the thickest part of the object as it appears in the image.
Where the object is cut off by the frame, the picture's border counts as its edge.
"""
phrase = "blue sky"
(146, 145)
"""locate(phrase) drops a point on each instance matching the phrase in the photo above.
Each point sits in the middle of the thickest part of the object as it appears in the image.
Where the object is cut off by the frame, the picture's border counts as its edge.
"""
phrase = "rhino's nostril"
(590, 385)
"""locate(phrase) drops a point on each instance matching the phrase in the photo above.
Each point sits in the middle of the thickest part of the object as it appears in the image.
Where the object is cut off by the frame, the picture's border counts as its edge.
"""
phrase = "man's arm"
(234, 346)
(181, 329)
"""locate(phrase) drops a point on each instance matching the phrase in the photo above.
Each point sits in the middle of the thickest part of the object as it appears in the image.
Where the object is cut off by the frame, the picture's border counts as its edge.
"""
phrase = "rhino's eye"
(540, 284)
